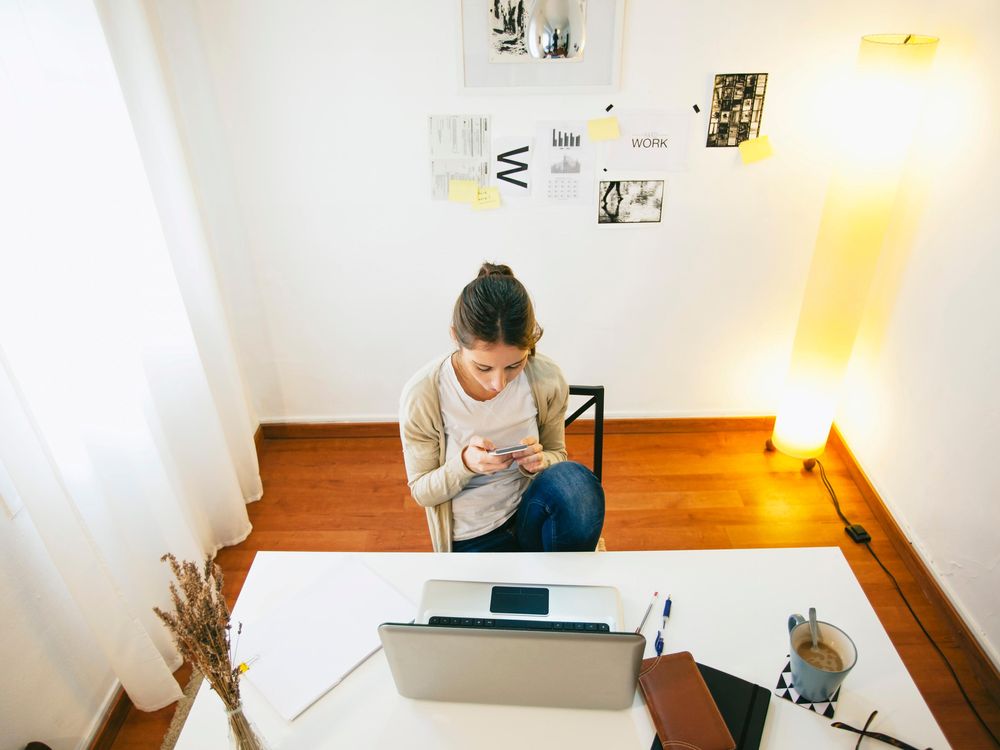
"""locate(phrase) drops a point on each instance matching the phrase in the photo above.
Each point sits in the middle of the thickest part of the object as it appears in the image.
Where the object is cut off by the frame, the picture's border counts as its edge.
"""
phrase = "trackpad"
(519, 601)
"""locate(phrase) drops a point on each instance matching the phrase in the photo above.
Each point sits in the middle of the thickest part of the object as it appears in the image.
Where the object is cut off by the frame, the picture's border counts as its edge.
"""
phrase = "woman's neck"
(469, 384)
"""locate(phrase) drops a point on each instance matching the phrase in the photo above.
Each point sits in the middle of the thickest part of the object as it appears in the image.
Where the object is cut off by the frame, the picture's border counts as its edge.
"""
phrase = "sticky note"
(462, 191)
(603, 129)
(488, 198)
(755, 149)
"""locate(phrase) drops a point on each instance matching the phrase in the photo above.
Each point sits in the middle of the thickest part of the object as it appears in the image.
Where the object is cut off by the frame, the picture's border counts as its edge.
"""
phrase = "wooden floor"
(668, 490)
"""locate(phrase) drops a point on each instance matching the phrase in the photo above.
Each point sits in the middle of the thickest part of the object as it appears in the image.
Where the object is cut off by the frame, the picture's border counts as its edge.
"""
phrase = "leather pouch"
(683, 710)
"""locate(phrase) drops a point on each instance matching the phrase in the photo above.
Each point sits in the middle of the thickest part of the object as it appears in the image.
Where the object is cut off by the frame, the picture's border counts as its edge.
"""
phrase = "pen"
(658, 643)
(666, 611)
(648, 609)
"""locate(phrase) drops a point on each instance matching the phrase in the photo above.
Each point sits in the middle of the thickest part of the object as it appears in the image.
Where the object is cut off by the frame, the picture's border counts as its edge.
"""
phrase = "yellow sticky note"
(755, 149)
(603, 129)
(462, 191)
(488, 198)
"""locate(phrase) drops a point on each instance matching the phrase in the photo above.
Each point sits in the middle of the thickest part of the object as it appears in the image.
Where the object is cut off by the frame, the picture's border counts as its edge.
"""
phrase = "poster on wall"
(459, 150)
(564, 164)
(629, 201)
(542, 45)
(737, 108)
(512, 158)
(650, 141)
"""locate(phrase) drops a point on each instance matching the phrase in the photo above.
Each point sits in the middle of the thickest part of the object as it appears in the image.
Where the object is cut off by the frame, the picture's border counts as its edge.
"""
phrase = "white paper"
(459, 150)
(319, 635)
(564, 163)
(650, 141)
(512, 157)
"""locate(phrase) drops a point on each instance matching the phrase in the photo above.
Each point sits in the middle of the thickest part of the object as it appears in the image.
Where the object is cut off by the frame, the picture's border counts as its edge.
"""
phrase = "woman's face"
(493, 365)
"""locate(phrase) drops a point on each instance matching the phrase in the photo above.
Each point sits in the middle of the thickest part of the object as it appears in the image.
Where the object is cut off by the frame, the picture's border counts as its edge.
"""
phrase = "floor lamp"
(885, 101)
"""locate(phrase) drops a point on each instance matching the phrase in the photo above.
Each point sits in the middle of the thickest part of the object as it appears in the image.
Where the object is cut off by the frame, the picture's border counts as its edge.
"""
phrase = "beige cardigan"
(433, 480)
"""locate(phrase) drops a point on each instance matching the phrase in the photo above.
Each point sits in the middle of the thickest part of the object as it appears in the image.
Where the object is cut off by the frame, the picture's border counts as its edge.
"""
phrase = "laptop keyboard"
(502, 624)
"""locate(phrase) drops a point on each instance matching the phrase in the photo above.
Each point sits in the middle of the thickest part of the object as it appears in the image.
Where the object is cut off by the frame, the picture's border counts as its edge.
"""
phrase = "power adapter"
(857, 533)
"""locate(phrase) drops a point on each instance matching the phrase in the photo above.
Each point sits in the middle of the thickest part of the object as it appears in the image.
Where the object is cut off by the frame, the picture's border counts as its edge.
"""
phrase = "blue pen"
(666, 611)
(658, 643)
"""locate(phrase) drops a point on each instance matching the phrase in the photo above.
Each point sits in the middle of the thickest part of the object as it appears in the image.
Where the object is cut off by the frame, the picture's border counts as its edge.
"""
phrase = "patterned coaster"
(785, 689)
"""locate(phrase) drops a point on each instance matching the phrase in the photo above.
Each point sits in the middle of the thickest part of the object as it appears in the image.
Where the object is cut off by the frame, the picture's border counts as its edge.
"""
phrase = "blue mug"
(811, 682)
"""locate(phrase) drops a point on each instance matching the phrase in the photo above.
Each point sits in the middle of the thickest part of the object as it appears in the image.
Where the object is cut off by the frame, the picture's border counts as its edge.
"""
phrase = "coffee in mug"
(820, 656)
(817, 673)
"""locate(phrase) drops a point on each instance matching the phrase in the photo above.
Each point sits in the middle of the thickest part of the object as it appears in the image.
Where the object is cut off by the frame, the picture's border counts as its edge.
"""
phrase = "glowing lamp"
(883, 105)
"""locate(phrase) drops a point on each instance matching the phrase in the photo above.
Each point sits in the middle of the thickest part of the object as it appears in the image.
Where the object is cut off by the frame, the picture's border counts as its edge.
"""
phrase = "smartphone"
(507, 451)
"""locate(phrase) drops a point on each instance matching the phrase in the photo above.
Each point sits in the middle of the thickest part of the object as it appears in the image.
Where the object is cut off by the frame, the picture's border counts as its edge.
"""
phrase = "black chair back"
(596, 399)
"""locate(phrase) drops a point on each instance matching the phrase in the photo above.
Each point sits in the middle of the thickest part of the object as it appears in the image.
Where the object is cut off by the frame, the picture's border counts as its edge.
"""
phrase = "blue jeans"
(561, 511)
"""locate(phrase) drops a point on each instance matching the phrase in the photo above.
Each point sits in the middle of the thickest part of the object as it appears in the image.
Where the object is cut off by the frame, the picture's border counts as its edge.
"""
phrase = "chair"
(596, 393)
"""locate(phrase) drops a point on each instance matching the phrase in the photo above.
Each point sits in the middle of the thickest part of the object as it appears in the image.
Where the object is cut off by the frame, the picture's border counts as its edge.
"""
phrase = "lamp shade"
(881, 114)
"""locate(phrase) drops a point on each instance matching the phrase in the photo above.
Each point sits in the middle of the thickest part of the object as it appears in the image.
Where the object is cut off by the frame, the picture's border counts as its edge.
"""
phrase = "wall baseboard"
(982, 666)
(113, 717)
(303, 430)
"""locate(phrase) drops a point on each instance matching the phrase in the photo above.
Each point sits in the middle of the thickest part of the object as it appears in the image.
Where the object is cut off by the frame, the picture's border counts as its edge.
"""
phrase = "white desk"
(730, 611)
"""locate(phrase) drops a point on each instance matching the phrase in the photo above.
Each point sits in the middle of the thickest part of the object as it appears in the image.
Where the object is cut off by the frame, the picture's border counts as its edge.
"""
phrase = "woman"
(496, 392)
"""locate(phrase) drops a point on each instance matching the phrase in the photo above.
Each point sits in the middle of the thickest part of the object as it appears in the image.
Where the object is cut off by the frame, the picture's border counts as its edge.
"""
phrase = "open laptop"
(588, 608)
(534, 645)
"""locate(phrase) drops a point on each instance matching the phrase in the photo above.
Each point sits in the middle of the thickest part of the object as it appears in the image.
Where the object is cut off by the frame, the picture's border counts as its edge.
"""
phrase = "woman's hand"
(477, 458)
(531, 458)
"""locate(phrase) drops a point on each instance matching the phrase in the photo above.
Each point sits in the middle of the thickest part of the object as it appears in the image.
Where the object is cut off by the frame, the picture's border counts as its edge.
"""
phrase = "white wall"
(306, 129)
(921, 406)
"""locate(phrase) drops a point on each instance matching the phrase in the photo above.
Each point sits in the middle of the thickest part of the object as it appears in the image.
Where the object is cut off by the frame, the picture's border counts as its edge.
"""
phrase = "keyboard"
(502, 624)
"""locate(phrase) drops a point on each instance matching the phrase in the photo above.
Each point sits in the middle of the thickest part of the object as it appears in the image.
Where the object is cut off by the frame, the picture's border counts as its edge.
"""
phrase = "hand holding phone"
(478, 457)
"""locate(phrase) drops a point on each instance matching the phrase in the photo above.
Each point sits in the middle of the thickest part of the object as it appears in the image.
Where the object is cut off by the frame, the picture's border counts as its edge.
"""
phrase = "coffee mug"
(830, 663)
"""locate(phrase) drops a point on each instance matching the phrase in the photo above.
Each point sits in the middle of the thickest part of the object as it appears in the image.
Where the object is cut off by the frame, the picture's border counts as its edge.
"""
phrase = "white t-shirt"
(488, 499)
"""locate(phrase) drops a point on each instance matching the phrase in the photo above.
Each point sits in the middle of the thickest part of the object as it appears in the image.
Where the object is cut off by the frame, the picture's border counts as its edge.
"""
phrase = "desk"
(755, 590)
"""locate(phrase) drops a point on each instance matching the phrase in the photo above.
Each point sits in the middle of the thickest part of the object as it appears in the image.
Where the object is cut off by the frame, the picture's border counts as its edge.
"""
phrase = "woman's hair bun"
(492, 269)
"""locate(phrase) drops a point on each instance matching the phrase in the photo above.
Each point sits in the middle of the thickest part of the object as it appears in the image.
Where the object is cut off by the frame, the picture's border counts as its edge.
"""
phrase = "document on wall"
(650, 141)
(564, 162)
(460, 150)
(512, 157)
(318, 635)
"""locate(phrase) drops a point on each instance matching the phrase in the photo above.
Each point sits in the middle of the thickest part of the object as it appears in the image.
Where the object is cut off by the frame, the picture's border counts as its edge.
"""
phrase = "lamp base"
(807, 463)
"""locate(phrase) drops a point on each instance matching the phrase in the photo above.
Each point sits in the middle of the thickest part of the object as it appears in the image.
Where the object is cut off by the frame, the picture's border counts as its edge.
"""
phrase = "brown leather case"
(684, 712)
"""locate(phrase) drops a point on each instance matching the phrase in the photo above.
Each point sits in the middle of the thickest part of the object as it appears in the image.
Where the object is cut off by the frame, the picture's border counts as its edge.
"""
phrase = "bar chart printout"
(564, 164)
(562, 139)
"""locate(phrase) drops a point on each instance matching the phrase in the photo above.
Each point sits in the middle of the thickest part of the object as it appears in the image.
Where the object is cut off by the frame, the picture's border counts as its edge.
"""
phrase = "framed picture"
(512, 46)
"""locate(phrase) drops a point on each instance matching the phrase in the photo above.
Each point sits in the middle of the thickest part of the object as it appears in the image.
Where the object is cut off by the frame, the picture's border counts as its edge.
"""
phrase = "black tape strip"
(608, 108)
(696, 108)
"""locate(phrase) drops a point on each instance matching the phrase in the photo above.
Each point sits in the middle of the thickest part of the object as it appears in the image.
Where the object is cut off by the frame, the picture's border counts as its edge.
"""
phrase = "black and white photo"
(630, 202)
(737, 108)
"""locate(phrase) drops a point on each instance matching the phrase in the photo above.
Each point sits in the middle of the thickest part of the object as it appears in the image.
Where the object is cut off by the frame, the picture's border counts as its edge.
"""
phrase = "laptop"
(513, 604)
(516, 644)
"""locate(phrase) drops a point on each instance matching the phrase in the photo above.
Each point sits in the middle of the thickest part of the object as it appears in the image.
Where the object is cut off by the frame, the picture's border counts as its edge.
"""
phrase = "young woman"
(496, 392)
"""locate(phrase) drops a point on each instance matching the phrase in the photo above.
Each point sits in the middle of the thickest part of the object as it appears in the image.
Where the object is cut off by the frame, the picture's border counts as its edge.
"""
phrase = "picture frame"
(596, 71)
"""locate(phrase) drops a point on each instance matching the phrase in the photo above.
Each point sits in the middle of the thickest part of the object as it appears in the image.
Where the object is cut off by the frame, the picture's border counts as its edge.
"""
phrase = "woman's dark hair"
(495, 308)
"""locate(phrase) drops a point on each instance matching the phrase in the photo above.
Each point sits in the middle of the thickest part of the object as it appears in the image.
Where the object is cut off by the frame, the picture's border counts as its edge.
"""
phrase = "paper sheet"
(319, 635)
(565, 162)
(463, 191)
(488, 198)
(603, 129)
(652, 140)
(459, 150)
(755, 149)
(512, 165)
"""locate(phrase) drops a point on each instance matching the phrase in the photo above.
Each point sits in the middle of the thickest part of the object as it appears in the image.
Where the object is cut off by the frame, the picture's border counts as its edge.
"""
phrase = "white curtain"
(124, 425)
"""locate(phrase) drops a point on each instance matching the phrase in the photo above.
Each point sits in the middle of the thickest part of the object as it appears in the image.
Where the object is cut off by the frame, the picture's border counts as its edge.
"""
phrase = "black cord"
(968, 701)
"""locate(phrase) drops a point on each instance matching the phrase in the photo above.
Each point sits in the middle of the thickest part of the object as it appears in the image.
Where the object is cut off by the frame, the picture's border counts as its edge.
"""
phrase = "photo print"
(737, 108)
(508, 20)
(630, 202)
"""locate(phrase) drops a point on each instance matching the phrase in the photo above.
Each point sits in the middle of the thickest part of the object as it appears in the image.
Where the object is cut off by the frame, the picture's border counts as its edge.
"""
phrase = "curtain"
(124, 425)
